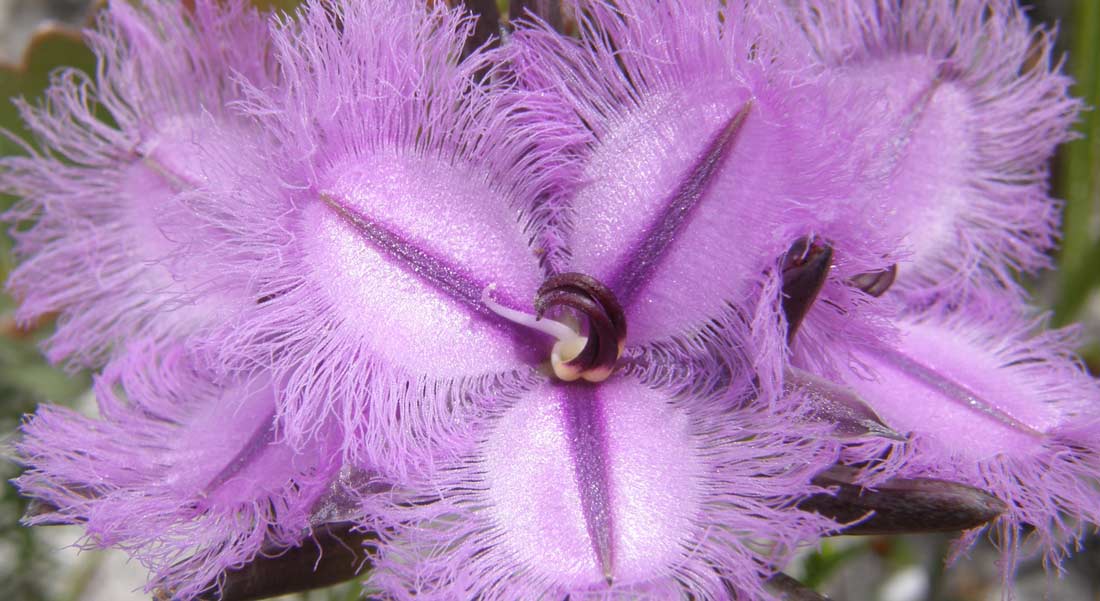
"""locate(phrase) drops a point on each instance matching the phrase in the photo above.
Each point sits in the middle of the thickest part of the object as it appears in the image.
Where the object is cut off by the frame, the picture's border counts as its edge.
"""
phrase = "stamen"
(876, 283)
(595, 359)
(805, 269)
(590, 356)
(557, 329)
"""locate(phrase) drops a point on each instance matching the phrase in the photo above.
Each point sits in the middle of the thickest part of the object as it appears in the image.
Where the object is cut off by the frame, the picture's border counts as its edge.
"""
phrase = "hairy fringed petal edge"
(1046, 467)
(733, 353)
(185, 473)
(370, 306)
(735, 511)
(992, 94)
(113, 154)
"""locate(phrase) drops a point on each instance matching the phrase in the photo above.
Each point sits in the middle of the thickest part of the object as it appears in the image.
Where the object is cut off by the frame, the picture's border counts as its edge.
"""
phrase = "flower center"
(585, 350)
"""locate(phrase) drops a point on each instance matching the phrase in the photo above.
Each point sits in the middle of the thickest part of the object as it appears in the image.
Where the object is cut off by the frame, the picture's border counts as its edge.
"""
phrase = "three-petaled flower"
(591, 317)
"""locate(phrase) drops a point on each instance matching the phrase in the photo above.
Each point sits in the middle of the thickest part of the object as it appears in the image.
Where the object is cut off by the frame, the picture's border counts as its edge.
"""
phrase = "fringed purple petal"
(701, 163)
(738, 354)
(842, 317)
(972, 105)
(399, 189)
(102, 193)
(994, 401)
(694, 498)
(186, 474)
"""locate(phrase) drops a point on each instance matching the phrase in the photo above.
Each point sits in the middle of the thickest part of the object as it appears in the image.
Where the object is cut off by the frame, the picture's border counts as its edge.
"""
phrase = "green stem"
(1080, 173)
(83, 574)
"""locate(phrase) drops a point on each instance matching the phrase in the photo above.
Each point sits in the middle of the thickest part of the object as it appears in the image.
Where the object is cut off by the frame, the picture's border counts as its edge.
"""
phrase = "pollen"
(567, 351)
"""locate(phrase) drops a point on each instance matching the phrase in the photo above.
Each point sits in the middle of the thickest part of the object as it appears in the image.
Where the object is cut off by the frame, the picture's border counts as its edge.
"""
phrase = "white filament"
(569, 343)
(554, 328)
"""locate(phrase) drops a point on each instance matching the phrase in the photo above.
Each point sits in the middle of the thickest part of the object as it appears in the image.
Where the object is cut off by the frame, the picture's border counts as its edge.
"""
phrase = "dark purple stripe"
(445, 277)
(449, 279)
(260, 440)
(953, 390)
(585, 426)
(638, 265)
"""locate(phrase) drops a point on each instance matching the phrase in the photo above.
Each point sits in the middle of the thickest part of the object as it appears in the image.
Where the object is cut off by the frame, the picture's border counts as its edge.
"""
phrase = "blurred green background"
(33, 566)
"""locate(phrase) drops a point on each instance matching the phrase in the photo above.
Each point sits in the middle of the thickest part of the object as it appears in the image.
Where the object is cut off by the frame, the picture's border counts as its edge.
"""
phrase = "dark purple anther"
(606, 335)
(804, 271)
(876, 283)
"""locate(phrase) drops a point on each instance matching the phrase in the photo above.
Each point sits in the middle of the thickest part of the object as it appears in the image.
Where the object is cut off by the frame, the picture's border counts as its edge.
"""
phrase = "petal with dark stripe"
(184, 471)
(699, 170)
(595, 491)
(399, 190)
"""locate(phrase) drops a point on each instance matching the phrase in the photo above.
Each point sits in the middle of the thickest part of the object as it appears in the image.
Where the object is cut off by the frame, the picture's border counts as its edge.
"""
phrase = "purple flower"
(412, 210)
(994, 401)
(183, 471)
(991, 399)
(583, 318)
(110, 250)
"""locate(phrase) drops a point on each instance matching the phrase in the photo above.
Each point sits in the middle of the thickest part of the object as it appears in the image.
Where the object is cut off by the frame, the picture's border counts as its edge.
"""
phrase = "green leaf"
(53, 47)
(286, 6)
(829, 557)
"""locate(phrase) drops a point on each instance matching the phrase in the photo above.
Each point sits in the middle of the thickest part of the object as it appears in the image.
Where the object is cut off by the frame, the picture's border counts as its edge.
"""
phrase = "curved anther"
(805, 268)
(587, 353)
(876, 283)
(599, 327)
(591, 356)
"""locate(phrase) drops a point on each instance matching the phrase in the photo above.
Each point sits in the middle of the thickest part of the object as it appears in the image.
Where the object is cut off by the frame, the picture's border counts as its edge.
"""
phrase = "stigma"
(585, 318)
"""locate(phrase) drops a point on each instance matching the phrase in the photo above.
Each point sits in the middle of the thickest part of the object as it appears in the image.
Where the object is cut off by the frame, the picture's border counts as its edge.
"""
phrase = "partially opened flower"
(111, 249)
(184, 471)
(994, 401)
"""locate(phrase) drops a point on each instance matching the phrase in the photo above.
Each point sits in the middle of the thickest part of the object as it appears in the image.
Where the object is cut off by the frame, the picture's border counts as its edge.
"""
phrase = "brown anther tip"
(836, 404)
(876, 283)
(804, 271)
(789, 589)
(880, 429)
